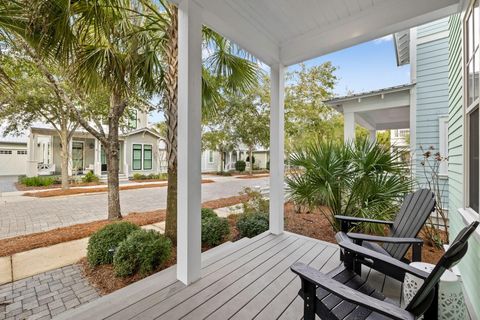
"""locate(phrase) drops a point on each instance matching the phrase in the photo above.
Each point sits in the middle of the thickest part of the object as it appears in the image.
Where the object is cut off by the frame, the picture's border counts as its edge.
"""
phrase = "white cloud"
(386, 38)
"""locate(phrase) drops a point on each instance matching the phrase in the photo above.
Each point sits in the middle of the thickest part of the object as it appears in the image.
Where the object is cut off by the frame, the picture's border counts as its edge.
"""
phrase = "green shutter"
(147, 157)
(137, 157)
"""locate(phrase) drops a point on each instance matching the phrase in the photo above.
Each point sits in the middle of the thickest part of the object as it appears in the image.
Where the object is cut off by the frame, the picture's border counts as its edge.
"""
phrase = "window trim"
(141, 156)
(468, 108)
(210, 153)
(151, 156)
(443, 143)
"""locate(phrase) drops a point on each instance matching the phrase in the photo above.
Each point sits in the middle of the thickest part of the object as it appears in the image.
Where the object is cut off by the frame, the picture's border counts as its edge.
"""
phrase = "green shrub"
(41, 181)
(240, 165)
(151, 176)
(143, 251)
(109, 237)
(251, 224)
(90, 177)
(214, 230)
(208, 213)
(224, 173)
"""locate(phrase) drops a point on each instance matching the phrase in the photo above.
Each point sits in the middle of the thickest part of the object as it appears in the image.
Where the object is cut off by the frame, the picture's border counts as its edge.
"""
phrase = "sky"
(368, 66)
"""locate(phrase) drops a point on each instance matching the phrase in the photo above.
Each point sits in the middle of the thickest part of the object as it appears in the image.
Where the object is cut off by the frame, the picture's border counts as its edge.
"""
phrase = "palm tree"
(102, 48)
(225, 60)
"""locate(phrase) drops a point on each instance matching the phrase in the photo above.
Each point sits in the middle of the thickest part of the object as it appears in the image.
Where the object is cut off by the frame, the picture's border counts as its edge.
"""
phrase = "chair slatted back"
(415, 210)
(425, 295)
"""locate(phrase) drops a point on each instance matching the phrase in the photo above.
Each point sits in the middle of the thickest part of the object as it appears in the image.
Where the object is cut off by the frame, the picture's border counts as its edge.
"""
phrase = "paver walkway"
(41, 214)
(45, 295)
(7, 183)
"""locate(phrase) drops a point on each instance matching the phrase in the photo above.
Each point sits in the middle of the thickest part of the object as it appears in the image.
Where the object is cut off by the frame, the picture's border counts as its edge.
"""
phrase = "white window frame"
(142, 156)
(468, 108)
(443, 144)
(210, 157)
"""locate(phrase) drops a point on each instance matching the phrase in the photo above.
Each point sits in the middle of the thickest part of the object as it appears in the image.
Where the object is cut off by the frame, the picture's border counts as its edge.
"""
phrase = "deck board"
(248, 279)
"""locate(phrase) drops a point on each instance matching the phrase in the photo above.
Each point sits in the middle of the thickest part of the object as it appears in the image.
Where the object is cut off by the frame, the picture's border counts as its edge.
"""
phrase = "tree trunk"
(250, 151)
(112, 150)
(222, 160)
(171, 115)
(65, 157)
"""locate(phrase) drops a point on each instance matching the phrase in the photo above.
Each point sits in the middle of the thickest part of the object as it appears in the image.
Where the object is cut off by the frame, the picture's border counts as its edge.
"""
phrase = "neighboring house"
(463, 139)
(142, 150)
(418, 111)
(13, 155)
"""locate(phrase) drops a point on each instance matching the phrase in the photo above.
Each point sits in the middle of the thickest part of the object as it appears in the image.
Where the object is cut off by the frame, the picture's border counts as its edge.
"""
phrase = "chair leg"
(432, 311)
(417, 252)
(309, 296)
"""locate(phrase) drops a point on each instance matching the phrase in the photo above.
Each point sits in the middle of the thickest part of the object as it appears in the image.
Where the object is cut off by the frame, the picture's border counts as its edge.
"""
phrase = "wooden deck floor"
(247, 279)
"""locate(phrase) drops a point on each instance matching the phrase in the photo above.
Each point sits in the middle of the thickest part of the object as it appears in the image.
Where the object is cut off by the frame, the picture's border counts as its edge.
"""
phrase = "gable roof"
(145, 130)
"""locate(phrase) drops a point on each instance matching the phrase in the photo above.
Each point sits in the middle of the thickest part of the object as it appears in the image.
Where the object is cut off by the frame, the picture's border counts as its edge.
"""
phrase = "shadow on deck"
(247, 279)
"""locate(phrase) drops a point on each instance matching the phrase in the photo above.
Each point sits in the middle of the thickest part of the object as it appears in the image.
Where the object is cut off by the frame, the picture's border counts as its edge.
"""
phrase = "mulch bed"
(18, 244)
(254, 176)
(69, 192)
(148, 180)
(22, 187)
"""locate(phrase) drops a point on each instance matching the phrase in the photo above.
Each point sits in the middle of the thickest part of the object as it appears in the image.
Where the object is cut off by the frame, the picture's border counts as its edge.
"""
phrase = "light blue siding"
(470, 265)
(432, 92)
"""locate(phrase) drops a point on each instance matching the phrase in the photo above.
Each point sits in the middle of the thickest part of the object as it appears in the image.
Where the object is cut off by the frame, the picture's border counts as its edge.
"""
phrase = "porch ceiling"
(288, 32)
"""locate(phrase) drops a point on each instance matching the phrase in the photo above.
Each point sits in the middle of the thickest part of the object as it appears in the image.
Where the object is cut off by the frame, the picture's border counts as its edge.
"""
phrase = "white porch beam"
(349, 127)
(189, 141)
(277, 137)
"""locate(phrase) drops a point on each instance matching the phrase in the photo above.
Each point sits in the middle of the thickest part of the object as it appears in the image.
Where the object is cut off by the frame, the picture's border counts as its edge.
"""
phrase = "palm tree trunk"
(65, 156)
(171, 114)
(113, 156)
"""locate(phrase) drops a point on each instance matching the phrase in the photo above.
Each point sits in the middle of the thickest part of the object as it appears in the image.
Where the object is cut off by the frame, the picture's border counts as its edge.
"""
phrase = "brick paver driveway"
(41, 214)
(7, 183)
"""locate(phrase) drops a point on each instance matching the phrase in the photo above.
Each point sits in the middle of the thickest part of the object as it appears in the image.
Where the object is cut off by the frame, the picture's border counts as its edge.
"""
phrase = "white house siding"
(432, 91)
(208, 166)
(12, 159)
(142, 138)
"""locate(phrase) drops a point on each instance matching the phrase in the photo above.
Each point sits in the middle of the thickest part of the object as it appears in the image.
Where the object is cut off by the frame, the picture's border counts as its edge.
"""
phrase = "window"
(137, 157)
(471, 67)
(5, 151)
(210, 156)
(147, 157)
(22, 152)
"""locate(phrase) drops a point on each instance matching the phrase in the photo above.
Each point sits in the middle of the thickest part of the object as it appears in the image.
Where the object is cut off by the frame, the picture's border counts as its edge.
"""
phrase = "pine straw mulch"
(22, 187)
(312, 224)
(48, 238)
(69, 192)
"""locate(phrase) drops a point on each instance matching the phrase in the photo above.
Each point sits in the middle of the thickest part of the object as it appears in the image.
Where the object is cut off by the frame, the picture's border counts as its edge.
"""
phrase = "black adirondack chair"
(415, 210)
(342, 294)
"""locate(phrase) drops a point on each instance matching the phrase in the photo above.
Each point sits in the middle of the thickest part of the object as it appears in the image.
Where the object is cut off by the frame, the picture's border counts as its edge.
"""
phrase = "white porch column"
(32, 164)
(70, 160)
(189, 141)
(373, 135)
(277, 137)
(97, 167)
(349, 127)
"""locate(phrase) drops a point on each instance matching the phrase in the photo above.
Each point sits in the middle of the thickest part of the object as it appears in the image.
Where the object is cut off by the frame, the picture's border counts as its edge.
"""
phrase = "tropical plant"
(224, 60)
(103, 51)
(362, 180)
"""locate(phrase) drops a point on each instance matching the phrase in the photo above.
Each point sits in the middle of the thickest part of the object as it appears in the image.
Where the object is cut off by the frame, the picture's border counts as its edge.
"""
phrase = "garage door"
(13, 161)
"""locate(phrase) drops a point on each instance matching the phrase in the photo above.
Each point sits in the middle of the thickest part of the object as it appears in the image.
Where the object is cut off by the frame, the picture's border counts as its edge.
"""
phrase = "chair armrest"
(346, 221)
(372, 238)
(345, 243)
(348, 294)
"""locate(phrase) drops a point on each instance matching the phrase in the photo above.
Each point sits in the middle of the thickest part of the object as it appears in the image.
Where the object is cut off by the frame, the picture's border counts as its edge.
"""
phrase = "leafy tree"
(34, 100)
(101, 47)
